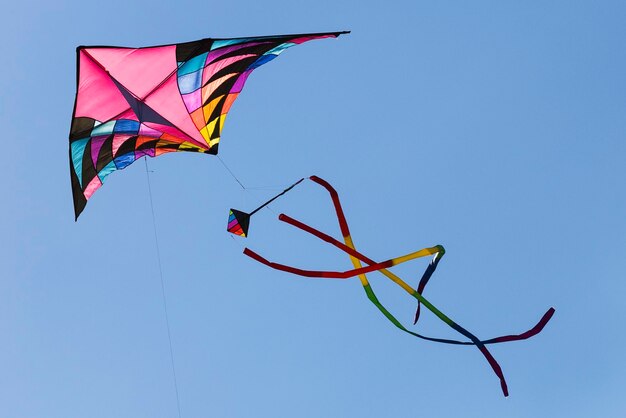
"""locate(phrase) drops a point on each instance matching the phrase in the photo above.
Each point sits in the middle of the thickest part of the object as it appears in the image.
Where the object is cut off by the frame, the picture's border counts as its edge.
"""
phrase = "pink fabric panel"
(168, 102)
(98, 97)
(213, 68)
(93, 185)
(309, 38)
(147, 131)
(139, 70)
(129, 114)
(118, 140)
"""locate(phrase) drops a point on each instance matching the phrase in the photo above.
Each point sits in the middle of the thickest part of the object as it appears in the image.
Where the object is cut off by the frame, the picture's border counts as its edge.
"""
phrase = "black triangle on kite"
(144, 112)
(238, 222)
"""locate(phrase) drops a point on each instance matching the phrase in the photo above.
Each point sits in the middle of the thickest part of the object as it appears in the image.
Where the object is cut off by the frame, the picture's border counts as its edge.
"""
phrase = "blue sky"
(493, 128)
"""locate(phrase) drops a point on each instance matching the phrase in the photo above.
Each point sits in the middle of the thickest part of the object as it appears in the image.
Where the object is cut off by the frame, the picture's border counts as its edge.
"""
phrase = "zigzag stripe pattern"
(210, 81)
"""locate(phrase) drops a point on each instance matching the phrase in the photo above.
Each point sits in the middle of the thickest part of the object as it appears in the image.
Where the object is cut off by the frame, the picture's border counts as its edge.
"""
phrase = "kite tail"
(357, 264)
(360, 271)
(525, 335)
(432, 266)
(368, 291)
(341, 274)
(320, 274)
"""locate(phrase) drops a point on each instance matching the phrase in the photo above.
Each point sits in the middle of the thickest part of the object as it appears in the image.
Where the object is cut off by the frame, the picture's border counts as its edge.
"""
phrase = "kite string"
(231, 173)
(158, 256)
(245, 189)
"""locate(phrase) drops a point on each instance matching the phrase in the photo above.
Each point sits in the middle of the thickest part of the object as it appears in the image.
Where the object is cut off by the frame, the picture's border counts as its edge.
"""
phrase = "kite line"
(158, 256)
(231, 173)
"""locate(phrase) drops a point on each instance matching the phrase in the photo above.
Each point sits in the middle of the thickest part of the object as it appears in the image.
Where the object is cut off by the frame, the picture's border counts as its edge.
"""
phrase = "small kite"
(359, 270)
(135, 102)
(239, 221)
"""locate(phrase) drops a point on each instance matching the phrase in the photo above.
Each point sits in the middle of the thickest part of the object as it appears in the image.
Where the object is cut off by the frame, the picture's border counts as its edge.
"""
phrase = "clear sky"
(495, 128)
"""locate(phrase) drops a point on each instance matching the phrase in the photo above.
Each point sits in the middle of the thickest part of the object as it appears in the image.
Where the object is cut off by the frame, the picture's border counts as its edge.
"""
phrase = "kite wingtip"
(417, 313)
(505, 388)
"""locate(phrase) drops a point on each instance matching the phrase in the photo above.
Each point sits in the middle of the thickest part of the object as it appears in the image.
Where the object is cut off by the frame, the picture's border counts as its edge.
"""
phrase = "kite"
(359, 270)
(239, 221)
(136, 102)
